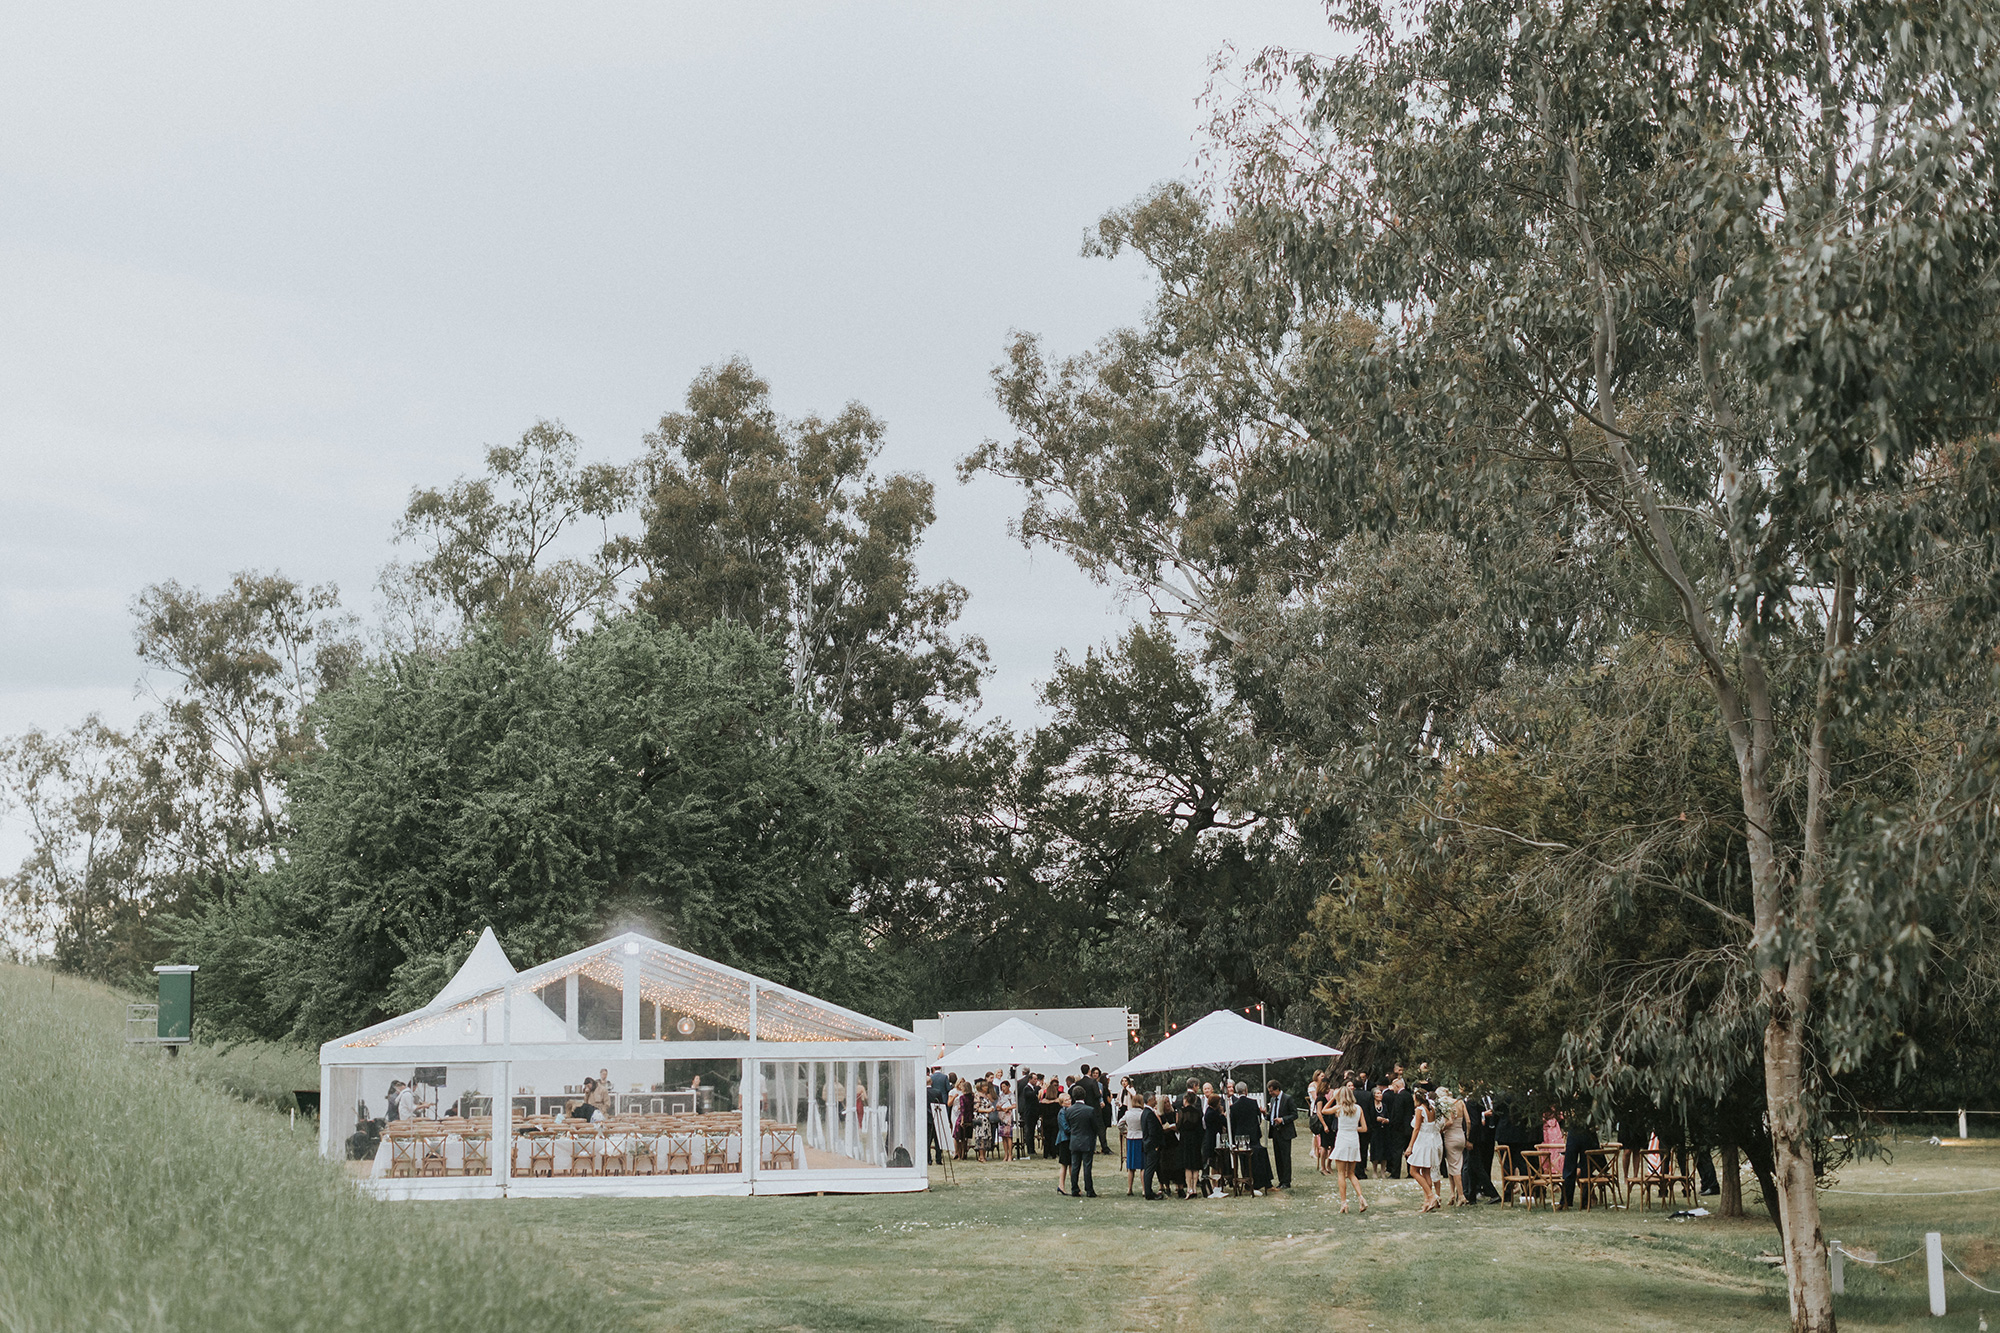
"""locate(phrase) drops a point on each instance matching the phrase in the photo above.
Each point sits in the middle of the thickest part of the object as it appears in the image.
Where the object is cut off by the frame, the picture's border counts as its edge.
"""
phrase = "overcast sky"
(266, 267)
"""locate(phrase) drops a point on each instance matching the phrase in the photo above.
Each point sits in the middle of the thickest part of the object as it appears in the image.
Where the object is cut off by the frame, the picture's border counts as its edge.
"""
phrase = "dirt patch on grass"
(1981, 1256)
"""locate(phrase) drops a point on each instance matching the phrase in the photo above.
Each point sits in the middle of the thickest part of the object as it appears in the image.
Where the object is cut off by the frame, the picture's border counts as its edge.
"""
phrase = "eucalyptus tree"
(515, 544)
(1159, 460)
(80, 797)
(779, 525)
(246, 664)
(1727, 276)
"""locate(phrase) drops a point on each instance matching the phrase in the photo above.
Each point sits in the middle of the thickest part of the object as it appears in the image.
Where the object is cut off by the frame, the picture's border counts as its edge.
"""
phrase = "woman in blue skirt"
(1134, 1120)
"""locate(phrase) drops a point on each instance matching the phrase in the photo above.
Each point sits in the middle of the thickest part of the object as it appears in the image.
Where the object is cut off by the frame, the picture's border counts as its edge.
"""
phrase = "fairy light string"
(675, 986)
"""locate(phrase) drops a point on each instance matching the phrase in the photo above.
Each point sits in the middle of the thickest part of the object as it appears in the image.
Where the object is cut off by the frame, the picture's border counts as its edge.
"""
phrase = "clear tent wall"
(629, 1067)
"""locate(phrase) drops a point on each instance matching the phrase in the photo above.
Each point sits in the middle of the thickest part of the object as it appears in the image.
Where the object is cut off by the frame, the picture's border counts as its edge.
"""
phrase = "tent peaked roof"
(488, 995)
(1015, 1042)
(1223, 1040)
(485, 968)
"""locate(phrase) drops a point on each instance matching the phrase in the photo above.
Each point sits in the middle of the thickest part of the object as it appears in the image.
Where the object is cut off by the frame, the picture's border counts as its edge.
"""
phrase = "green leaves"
(778, 526)
(638, 774)
(494, 544)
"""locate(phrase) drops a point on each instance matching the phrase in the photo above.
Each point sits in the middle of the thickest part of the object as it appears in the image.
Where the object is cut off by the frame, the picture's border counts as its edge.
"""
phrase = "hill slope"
(134, 1195)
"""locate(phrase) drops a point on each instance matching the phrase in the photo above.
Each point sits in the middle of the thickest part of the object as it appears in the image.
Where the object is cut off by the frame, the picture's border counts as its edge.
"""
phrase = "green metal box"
(176, 1021)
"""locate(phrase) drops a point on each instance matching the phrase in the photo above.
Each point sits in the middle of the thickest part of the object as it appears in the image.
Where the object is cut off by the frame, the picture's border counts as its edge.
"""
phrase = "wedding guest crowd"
(1213, 1138)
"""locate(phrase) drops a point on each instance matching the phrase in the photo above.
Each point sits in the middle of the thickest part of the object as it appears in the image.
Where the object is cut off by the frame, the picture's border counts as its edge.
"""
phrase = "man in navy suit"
(1281, 1115)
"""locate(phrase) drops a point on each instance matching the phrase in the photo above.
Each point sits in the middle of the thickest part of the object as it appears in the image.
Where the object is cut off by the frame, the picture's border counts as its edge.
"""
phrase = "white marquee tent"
(714, 1081)
(1015, 1042)
(1223, 1040)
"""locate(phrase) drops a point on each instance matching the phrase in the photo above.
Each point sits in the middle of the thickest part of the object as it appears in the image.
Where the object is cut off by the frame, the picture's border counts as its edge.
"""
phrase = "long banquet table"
(554, 1146)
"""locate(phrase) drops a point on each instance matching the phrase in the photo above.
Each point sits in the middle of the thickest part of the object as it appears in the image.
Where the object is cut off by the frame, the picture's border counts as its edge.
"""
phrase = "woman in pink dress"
(1552, 1138)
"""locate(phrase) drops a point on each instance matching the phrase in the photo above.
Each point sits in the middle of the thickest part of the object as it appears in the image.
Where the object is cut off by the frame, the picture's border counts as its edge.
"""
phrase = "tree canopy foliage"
(642, 775)
(779, 526)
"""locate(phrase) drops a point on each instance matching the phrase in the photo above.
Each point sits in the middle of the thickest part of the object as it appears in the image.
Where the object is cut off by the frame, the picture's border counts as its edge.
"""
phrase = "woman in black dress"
(1170, 1149)
(1187, 1128)
(1326, 1128)
(1215, 1159)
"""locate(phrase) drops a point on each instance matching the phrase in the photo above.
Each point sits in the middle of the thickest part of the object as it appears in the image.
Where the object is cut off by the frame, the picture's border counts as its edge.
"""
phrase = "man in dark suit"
(1371, 1125)
(1281, 1115)
(1244, 1118)
(1080, 1118)
(1152, 1138)
(1581, 1139)
(1482, 1131)
(1399, 1106)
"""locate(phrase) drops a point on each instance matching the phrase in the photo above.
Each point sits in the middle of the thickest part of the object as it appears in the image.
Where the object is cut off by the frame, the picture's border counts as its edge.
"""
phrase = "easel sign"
(941, 1126)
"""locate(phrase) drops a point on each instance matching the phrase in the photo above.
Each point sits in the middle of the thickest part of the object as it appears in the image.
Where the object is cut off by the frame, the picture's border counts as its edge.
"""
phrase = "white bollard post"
(1961, 1124)
(1934, 1261)
(1837, 1261)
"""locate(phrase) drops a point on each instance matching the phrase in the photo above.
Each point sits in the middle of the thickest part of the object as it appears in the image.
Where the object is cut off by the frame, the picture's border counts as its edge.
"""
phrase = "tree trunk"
(1808, 1283)
(1731, 1182)
(1759, 1155)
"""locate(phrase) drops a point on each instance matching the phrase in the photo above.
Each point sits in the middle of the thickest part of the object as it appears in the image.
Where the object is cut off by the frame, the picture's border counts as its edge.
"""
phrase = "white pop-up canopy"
(1223, 1040)
(1015, 1042)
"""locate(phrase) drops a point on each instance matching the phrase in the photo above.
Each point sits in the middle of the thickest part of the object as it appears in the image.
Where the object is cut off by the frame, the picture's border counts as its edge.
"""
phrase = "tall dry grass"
(267, 1073)
(133, 1196)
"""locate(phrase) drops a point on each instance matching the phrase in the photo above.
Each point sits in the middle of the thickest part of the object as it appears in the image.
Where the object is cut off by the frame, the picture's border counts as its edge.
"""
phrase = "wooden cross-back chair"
(432, 1159)
(1659, 1174)
(542, 1155)
(1521, 1176)
(403, 1150)
(1597, 1177)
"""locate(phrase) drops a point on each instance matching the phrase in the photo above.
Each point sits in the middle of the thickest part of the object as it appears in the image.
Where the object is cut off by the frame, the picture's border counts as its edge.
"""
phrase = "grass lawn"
(998, 1250)
(136, 1195)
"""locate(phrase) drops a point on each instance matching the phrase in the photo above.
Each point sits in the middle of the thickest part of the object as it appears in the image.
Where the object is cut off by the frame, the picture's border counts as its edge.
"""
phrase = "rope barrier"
(1877, 1263)
(1969, 1278)
(1911, 1194)
(1848, 1254)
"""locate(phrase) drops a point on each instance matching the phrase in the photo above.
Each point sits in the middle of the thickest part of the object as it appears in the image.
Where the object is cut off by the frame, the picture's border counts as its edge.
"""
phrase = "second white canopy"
(1223, 1040)
(1015, 1042)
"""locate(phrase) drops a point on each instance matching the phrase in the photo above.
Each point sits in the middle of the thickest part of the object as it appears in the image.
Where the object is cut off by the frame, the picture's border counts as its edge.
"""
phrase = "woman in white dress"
(1426, 1149)
(1347, 1143)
